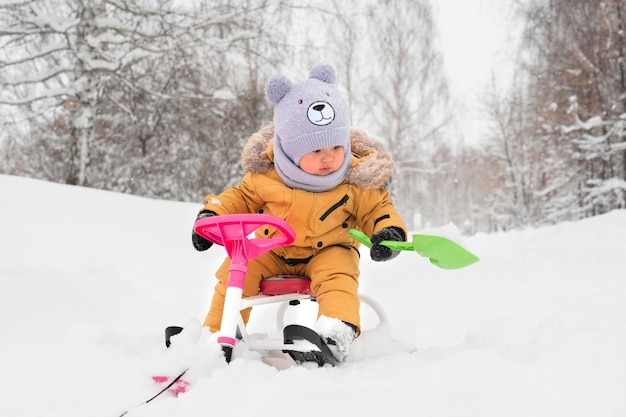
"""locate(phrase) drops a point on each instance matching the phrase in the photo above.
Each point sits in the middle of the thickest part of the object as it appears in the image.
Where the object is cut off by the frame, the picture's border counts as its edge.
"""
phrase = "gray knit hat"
(309, 115)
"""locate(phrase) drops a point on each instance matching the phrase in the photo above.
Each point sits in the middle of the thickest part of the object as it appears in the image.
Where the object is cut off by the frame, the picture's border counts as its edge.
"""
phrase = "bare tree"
(407, 96)
(576, 87)
(97, 75)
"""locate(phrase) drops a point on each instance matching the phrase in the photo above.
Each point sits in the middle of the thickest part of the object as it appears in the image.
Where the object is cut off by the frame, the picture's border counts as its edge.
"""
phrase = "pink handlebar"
(232, 231)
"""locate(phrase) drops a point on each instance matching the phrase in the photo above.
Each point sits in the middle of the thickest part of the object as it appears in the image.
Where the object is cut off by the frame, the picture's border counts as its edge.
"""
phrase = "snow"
(89, 280)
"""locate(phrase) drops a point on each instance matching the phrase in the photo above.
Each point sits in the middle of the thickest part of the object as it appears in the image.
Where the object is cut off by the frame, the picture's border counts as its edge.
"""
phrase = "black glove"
(383, 253)
(200, 243)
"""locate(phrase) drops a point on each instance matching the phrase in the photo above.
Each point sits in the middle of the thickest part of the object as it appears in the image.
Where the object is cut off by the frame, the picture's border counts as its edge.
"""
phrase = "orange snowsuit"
(323, 250)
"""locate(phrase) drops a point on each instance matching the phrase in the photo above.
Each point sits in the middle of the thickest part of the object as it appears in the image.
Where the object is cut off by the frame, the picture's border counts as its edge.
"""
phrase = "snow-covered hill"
(89, 280)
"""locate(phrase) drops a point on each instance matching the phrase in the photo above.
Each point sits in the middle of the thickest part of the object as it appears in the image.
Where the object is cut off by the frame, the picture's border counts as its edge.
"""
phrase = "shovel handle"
(391, 244)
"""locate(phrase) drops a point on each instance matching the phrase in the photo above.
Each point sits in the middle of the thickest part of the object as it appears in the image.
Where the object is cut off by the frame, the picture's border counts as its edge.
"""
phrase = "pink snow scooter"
(234, 232)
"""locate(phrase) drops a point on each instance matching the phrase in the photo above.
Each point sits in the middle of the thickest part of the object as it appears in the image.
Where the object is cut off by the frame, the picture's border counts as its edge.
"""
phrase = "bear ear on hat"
(276, 88)
(324, 73)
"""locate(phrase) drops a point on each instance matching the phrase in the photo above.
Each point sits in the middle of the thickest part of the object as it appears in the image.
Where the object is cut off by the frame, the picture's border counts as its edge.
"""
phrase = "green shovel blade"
(441, 251)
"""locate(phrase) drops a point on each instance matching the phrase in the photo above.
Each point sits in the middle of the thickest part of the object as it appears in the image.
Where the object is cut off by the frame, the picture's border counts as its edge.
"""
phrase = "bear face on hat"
(309, 115)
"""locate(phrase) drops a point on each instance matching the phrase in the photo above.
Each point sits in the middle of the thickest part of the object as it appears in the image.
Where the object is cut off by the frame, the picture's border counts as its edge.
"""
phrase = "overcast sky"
(474, 36)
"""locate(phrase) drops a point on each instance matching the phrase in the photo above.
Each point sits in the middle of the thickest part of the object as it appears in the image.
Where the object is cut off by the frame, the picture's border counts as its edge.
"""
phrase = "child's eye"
(317, 151)
(337, 147)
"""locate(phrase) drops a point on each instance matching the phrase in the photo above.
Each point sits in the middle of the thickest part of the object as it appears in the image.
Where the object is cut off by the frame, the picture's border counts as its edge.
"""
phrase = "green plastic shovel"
(441, 251)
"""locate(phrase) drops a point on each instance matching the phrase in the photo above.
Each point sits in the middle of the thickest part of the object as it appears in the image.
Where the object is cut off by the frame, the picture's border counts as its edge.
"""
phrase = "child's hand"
(383, 253)
(200, 243)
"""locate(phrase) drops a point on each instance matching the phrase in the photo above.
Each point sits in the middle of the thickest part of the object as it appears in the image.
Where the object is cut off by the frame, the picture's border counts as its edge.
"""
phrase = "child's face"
(322, 161)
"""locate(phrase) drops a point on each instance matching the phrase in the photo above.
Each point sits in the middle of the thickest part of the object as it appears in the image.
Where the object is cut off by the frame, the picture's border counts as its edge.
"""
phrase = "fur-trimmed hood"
(372, 164)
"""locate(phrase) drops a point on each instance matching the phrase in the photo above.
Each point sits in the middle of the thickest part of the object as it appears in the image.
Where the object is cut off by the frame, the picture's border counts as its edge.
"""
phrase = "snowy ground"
(89, 280)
